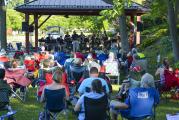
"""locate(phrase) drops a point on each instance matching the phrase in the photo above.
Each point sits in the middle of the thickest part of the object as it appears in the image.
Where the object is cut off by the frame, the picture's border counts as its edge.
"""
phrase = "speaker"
(31, 28)
(25, 26)
(139, 26)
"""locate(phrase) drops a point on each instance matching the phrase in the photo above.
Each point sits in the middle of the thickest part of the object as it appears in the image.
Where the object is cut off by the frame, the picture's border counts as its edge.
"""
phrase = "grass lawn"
(30, 109)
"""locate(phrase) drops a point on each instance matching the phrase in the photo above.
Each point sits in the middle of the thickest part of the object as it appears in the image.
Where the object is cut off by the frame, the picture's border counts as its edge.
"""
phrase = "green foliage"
(158, 7)
(150, 21)
(153, 38)
(118, 9)
(14, 19)
(176, 65)
(14, 3)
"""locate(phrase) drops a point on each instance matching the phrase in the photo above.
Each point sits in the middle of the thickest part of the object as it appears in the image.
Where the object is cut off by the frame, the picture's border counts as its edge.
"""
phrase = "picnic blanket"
(16, 76)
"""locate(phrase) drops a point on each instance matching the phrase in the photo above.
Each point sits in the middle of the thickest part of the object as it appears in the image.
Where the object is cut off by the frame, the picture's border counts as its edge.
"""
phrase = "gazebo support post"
(36, 31)
(33, 21)
(138, 39)
(27, 32)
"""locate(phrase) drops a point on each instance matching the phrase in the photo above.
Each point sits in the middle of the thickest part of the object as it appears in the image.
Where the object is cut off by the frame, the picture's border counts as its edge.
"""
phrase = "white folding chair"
(112, 69)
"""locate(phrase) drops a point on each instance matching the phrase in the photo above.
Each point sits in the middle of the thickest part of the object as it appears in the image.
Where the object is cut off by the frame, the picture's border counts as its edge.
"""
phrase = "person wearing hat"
(90, 62)
(77, 70)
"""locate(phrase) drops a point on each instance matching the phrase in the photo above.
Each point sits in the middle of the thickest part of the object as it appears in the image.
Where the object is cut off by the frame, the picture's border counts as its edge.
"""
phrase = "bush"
(176, 65)
(153, 38)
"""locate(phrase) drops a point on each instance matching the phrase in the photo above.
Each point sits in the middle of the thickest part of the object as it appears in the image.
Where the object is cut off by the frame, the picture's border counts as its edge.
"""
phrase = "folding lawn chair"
(4, 105)
(96, 109)
(19, 82)
(112, 68)
(55, 103)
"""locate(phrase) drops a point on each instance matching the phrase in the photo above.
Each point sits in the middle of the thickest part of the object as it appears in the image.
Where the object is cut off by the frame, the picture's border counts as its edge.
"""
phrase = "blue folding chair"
(142, 102)
(55, 103)
(96, 109)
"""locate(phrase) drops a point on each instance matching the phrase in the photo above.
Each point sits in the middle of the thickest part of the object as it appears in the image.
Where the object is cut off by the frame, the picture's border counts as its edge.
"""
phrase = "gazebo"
(37, 8)
(133, 10)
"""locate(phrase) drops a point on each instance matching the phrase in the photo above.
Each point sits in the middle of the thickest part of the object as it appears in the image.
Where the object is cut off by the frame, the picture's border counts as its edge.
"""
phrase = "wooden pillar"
(27, 32)
(138, 37)
(3, 35)
(36, 31)
(132, 27)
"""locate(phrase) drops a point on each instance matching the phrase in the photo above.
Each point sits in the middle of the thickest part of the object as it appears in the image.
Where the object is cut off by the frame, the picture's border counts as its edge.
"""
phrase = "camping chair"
(168, 86)
(55, 103)
(96, 109)
(20, 83)
(112, 68)
(142, 102)
(77, 73)
(4, 105)
(20, 93)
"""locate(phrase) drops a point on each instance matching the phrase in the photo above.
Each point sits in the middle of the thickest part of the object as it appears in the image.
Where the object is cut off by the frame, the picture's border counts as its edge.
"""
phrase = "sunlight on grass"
(115, 87)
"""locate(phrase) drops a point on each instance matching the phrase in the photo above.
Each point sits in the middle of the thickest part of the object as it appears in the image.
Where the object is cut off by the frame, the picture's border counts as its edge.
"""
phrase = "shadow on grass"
(30, 109)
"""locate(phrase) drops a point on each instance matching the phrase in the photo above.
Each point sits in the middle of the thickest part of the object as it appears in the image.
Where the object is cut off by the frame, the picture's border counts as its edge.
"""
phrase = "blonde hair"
(46, 63)
(57, 76)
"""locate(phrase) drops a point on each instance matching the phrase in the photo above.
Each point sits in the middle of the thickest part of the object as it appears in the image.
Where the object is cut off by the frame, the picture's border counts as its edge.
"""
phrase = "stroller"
(16, 79)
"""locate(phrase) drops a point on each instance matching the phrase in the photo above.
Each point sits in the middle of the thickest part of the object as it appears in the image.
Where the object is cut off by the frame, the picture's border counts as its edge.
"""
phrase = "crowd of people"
(87, 71)
(81, 42)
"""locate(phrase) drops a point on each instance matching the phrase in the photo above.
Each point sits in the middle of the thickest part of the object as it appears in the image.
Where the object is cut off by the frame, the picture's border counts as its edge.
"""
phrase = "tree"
(170, 9)
(173, 28)
(177, 10)
(14, 19)
(3, 38)
(118, 14)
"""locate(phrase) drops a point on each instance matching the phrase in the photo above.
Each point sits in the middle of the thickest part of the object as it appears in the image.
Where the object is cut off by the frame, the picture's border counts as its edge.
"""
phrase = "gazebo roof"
(135, 9)
(64, 7)
(75, 7)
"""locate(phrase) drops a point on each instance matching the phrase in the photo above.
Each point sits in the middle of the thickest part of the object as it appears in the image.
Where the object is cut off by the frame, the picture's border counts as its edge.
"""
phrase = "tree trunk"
(173, 29)
(123, 33)
(3, 39)
(177, 10)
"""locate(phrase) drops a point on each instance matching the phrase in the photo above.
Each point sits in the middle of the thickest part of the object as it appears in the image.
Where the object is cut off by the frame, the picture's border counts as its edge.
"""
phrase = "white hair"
(147, 81)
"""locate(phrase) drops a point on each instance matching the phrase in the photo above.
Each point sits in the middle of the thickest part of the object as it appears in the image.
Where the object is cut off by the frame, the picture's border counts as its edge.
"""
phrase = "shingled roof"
(65, 7)
(75, 7)
(136, 8)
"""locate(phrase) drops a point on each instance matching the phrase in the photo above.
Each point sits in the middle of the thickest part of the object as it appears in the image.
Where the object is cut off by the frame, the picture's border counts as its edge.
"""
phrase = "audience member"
(86, 83)
(125, 108)
(97, 92)
(56, 84)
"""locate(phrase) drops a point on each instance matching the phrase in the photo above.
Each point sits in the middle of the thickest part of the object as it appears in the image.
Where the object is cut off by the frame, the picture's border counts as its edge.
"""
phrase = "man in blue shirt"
(139, 103)
(87, 82)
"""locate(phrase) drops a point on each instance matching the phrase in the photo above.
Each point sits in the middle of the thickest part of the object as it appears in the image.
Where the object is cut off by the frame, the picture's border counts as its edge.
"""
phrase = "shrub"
(153, 38)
